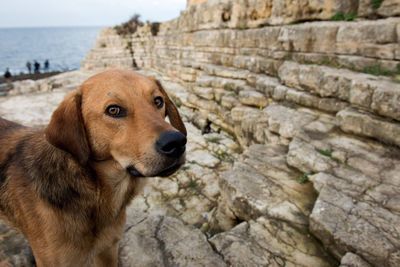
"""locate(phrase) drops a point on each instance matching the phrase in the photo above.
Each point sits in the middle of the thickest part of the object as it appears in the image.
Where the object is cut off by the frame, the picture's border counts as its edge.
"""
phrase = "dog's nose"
(171, 144)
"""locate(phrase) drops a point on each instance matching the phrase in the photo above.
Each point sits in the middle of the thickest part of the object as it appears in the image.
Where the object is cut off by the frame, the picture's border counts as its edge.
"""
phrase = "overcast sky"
(37, 13)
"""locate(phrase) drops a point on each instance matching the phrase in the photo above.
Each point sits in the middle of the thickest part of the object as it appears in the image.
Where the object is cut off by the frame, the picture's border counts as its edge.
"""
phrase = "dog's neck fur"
(118, 185)
(101, 191)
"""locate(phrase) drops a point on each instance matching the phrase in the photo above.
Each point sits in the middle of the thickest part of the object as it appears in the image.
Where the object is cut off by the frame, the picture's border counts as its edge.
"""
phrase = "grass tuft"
(340, 16)
(213, 139)
(325, 152)
(378, 70)
(193, 185)
(304, 178)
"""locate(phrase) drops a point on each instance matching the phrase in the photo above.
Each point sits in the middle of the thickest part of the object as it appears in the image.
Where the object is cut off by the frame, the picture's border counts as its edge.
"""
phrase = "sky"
(43, 13)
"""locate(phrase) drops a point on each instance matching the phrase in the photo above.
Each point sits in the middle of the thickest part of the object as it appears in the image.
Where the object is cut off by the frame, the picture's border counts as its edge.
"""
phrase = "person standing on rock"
(36, 66)
(46, 65)
(29, 67)
(7, 75)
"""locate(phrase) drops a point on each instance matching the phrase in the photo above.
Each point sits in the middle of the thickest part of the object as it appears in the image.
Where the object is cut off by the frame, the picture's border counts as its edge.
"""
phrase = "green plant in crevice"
(193, 185)
(378, 70)
(223, 156)
(376, 3)
(304, 178)
(340, 16)
(325, 152)
(213, 139)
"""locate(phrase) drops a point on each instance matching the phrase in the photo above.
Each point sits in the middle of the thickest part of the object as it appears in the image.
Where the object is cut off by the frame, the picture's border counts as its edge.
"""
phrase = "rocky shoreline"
(293, 151)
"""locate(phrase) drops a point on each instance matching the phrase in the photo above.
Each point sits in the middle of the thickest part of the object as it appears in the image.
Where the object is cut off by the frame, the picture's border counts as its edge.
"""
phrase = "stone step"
(277, 123)
(255, 91)
(376, 94)
(368, 125)
(234, 85)
(357, 45)
(225, 72)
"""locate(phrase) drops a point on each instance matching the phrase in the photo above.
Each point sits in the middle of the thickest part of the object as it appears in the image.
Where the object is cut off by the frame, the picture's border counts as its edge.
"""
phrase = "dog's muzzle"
(171, 144)
(163, 173)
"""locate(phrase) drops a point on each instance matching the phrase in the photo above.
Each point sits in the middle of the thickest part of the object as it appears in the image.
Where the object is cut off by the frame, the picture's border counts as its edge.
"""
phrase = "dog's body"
(66, 187)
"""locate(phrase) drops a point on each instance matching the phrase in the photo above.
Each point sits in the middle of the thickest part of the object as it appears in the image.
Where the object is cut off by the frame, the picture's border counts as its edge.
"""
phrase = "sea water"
(64, 47)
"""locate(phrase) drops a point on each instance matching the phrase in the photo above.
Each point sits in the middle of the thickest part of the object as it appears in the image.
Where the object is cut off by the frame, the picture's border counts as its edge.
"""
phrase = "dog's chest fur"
(60, 200)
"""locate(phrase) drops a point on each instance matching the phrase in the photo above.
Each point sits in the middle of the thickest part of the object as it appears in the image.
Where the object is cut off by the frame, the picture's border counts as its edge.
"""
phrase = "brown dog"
(66, 187)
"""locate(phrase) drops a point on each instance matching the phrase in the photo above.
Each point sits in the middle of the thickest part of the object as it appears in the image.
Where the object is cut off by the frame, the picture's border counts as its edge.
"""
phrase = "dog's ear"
(66, 129)
(172, 111)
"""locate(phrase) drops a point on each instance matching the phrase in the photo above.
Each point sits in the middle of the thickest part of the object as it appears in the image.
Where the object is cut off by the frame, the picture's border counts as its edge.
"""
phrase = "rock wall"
(314, 104)
(195, 2)
(110, 51)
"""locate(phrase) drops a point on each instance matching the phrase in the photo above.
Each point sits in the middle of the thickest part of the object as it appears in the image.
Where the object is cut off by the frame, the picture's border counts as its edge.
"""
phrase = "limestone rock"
(361, 230)
(165, 241)
(353, 260)
(364, 124)
(268, 242)
(203, 158)
(357, 182)
(195, 2)
(360, 90)
(286, 121)
(385, 100)
(253, 98)
(389, 8)
(111, 51)
(312, 162)
(31, 109)
(255, 187)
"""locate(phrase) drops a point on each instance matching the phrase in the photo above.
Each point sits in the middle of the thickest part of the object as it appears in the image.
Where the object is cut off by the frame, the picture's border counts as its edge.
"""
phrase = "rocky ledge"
(294, 149)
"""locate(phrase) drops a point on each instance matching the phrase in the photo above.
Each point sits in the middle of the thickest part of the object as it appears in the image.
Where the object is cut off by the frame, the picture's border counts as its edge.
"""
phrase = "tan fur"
(66, 187)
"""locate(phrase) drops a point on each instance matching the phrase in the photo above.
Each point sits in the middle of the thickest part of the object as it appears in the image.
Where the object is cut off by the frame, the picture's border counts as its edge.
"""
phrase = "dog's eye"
(115, 111)
(159, 102)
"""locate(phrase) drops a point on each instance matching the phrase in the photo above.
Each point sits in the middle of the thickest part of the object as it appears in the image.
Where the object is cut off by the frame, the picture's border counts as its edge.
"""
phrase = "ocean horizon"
(64, 47)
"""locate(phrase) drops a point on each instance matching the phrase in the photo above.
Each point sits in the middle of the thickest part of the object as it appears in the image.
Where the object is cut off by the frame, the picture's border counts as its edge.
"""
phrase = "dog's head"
(119, 116)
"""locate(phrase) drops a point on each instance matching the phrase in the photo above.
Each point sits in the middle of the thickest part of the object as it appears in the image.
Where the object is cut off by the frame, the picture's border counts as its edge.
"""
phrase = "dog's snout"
(171, 144)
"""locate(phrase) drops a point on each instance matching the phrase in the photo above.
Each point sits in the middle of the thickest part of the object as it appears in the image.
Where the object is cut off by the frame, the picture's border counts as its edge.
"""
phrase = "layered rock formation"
(294, 125)
(151, 230)
(195, 2)
(315, 106)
